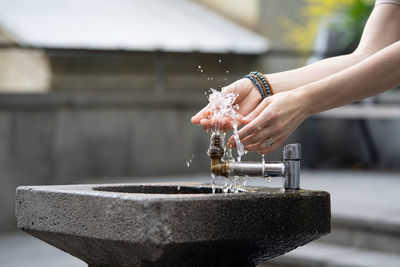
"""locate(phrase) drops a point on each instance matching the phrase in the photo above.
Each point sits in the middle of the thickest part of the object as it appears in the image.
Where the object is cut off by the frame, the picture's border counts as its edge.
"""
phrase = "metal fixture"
(289, 168)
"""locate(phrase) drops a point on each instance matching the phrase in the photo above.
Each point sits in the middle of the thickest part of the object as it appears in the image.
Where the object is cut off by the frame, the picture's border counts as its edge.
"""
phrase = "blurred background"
(103, 91)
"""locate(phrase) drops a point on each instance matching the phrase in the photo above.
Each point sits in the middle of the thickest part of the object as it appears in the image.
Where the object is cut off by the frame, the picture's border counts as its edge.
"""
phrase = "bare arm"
(371, 76)
(278, 116)
(380, 31)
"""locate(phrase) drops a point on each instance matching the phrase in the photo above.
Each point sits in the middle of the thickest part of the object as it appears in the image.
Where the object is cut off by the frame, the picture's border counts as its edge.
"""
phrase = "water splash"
(213, 183)
(222, 107)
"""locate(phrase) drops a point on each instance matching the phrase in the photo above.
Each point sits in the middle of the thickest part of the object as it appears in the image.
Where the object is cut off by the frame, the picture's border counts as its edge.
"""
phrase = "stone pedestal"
(171, 225)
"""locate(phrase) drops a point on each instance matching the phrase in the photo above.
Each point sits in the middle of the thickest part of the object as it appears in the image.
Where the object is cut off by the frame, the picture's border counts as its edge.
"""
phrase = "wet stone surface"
(171, 225)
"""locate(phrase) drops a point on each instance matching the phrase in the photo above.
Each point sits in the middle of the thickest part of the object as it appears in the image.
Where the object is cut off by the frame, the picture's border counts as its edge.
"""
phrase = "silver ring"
(269, 142)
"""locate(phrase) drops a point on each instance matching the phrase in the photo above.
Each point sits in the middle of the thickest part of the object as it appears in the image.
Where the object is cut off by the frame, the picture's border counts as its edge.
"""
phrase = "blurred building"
(123, 45)
(93, 89)
(107, 89)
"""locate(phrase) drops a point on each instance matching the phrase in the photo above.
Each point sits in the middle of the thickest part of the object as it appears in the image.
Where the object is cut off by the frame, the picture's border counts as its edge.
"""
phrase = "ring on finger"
(269, 142)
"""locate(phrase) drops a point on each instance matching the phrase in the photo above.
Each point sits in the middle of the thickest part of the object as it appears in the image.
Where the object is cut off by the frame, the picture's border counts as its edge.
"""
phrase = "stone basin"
(171, 225)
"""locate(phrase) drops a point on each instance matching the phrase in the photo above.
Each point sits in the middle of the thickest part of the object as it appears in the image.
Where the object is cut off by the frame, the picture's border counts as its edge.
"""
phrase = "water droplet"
(227, 71)
(199, 67)
(220, 60)
(189, 161)
(179, 187)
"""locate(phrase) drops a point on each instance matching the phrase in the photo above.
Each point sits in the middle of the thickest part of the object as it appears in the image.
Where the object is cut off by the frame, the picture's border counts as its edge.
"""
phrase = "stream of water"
(222, 107)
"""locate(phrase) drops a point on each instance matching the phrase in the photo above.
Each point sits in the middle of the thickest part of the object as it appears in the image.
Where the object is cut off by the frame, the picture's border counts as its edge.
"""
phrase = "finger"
(256, 112)
(202, 114)
(248, 130)
(231, 142)
(260, 146)
(220, 124)
(266, 117)
(226, 124)
(257, 137)
(253, 139)
(265, 147)
(206, 124)
(272, 148)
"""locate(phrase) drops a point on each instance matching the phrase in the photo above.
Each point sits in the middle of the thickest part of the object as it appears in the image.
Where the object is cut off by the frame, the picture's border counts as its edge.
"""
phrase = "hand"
(248, 99)
(276, 117)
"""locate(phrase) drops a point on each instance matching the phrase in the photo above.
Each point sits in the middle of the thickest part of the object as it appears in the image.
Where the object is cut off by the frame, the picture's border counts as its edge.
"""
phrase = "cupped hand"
(248, 99)
(276, 117)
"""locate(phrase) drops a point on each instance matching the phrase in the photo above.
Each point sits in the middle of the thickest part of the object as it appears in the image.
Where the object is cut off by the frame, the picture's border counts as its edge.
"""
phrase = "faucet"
(289, 168)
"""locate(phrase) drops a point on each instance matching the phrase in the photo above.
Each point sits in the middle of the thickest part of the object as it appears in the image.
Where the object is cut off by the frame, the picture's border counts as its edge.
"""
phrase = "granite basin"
(171, 224)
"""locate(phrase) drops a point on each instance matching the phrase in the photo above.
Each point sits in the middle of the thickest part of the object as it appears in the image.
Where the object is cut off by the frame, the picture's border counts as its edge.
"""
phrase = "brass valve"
(216, 152)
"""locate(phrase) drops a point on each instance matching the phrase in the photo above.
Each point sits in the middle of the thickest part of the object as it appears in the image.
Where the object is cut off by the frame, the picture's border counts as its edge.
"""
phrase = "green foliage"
(353, 18)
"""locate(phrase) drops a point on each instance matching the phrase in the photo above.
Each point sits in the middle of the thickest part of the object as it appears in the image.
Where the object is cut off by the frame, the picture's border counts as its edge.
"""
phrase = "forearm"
(288, 80)
(380, 31)
(371, 76)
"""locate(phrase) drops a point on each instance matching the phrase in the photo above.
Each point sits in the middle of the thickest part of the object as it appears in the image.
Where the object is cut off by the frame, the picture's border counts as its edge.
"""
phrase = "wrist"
(276, 84)
(304, 100)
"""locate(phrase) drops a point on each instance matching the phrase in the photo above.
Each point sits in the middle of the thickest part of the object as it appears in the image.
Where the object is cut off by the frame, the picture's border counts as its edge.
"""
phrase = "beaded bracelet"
(261, 83)
(265, 82)
(256, 83)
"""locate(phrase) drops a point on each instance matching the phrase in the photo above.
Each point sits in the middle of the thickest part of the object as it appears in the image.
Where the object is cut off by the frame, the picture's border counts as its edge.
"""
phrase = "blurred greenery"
(353, 18)
(352, 13)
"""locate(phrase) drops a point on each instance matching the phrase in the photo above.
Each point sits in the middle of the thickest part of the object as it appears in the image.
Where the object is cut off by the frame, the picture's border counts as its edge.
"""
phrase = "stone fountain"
(173, 224)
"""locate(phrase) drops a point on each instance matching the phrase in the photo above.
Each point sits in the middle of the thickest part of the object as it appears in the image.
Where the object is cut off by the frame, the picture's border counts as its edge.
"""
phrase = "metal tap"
(289, 168)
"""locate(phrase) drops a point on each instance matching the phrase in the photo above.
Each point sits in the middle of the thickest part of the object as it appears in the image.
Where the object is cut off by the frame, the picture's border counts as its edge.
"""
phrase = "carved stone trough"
(171, 225)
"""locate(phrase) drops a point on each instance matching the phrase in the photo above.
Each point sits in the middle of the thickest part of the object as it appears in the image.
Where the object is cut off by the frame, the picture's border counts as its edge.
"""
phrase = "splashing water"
(221, 104)
(213, 183)
(222, 107)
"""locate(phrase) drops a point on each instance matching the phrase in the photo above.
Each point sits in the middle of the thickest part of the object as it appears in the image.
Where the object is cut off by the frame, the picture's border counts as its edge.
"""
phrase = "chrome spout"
(256, 169)
(289, 169)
